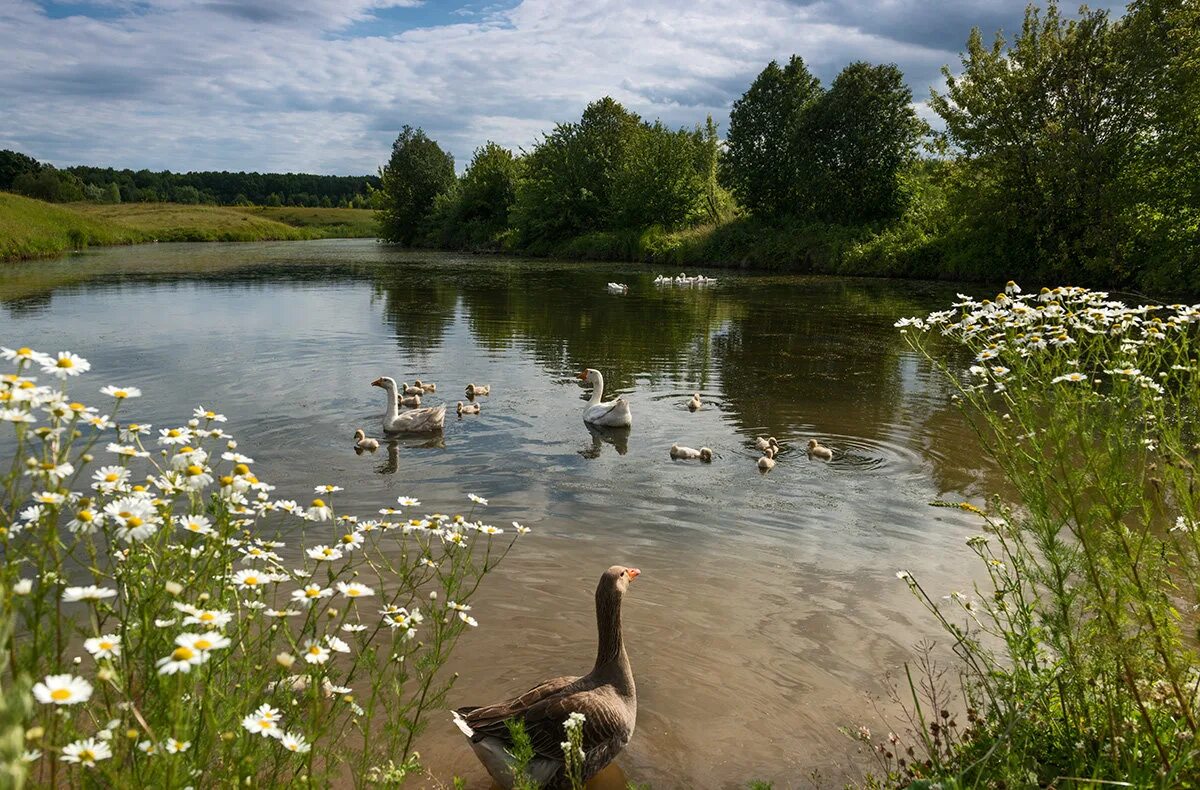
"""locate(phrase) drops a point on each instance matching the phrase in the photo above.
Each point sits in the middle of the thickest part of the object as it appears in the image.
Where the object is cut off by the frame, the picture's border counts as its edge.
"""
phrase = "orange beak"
(582, 376)
(377, 383)
(634, 573)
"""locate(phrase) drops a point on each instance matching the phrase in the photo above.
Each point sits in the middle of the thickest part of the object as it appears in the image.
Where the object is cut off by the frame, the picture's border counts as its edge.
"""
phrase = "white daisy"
(251, 579)
(315, 652)
(327, 553)
(105, 646)
(354, 589)
(89, 593)
(311, 593)
(182, 659)
(86, 752)
(201, 413)
(65, 365)
(295, 742)
(407, 501)
(477, 499)
(203, 643)
(121, 393)
(201, 525)
(174, 746)
(179, 436)
(62, 690)
(264, 721)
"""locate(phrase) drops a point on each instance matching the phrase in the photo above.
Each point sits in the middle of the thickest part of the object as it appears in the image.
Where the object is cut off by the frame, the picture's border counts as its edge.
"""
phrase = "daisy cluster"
(1095, 338)
(182, 602)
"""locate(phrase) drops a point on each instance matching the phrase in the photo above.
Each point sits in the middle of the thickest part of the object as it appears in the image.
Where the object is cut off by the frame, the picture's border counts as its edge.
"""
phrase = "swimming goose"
(767, 462)
(413, 421)
(467, 408)
(764, 443)
(618, 288)
(606, 697)
(818, 450)
(695, 403)
(361, 441)
(614, 414)
(691, 453)
(427, 386)
(478, 389)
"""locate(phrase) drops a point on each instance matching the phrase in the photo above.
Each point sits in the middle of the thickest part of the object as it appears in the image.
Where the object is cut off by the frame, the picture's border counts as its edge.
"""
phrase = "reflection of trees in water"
(28, 305)
(419, 307)
(568, 322)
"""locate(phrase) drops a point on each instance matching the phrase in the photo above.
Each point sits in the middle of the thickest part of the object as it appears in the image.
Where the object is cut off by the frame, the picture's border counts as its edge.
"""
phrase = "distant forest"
(26, 176)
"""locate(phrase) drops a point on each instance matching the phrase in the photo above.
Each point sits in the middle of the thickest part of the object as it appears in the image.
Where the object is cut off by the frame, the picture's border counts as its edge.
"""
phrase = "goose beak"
(582, 376)
(634, 573)
(377, 383)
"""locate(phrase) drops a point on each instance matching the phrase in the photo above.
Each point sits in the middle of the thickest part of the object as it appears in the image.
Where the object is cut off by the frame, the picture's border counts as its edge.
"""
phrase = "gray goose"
(605, 696)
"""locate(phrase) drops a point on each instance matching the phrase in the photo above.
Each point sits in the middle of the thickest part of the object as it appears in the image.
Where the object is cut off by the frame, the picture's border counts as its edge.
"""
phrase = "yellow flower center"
(314, 651)
(318, 503)
(66, 363)
(182, 653)
(312, 592)
(85, 515)
(353, 592)
(76, 406)
(203, 644)
(87, 755)
(106, 645)
(26, 385)
(266, 724)
(139, 488)
(112, 477)
(120, 394)
(60, 695)
(241, 469)
(24, 351)
(186, 449)
(226, 480)
(173, 433)
(195, 469)
(328, 552)
(348, 538)
(133, 521)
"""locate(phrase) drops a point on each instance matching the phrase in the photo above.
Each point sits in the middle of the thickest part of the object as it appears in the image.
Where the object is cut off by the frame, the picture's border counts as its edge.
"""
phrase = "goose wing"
(544, 710)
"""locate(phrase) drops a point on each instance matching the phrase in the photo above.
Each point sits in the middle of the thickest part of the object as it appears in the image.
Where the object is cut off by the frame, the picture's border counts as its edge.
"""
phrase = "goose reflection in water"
(391, 464)
(617, 437)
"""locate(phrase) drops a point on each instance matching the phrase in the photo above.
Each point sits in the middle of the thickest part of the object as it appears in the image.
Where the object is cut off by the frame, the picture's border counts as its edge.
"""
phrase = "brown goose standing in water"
(605, 696)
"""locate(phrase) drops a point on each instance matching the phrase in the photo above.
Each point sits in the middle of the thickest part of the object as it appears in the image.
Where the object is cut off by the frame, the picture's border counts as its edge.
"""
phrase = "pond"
(768, 613)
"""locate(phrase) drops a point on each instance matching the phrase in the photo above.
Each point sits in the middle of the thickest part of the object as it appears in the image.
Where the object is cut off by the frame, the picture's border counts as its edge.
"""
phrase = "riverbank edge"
(33, 229)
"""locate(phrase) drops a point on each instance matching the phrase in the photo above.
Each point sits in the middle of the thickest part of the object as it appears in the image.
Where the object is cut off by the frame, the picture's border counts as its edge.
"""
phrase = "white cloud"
(296, 85)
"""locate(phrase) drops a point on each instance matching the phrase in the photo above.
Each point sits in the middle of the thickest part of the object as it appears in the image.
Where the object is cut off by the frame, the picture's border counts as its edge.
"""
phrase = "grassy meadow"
(33, 228)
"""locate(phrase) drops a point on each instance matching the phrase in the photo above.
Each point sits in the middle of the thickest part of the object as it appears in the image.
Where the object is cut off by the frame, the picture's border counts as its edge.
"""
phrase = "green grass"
(33, 229)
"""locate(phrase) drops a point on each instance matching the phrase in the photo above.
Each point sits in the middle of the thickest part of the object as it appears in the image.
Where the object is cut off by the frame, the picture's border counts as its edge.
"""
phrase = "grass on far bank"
(33, 228)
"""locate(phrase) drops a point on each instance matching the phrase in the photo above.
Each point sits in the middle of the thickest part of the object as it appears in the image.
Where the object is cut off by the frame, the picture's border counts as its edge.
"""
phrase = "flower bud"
(174, 588)
(34, 733)
(285, 660)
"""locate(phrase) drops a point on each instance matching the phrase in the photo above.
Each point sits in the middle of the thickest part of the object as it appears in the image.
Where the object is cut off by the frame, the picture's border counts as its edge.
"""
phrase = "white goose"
(614, 414)
(412, 421)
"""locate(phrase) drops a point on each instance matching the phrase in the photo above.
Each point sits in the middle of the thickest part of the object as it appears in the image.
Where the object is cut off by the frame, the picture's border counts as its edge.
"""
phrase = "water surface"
(768, 613)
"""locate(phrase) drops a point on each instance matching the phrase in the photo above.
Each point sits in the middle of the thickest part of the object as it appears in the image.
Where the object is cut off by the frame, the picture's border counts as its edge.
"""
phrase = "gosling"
(467, 408)
(691, 453)
(428, 386)
(695, 403)
(361, 442)
(478, 389)
(818, 450)
(415, 390)
(766, 443)
(411, 401)
(767, 462)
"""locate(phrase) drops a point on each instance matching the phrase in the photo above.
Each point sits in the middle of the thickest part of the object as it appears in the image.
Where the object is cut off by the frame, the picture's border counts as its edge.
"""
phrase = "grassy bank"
(32, 228)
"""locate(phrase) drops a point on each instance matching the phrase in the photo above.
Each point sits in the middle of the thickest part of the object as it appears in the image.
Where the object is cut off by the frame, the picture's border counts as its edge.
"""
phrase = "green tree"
(13, 164)
(418, 171)
(112, 193)
(1043, 130)
(569, 176)
(764, 149)
(854, 144)
(662, 180)
(488, 189)
(49, 184)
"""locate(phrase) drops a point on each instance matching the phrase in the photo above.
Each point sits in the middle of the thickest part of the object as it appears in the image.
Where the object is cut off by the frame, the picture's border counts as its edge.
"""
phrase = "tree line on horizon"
(1070, 152)
(25, 175)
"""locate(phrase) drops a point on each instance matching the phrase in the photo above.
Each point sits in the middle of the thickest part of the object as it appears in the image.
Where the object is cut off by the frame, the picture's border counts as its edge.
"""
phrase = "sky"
(324, 86)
